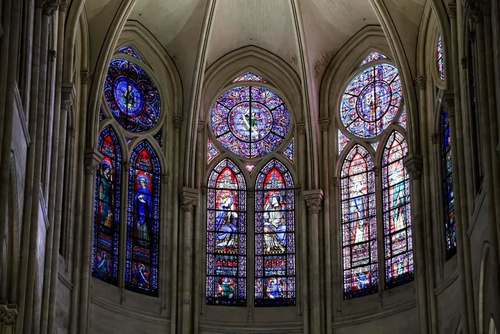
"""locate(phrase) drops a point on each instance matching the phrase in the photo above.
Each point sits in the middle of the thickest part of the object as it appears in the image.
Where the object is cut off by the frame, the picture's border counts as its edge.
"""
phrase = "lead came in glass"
(226, 236)
(274, 236)
(359, 224)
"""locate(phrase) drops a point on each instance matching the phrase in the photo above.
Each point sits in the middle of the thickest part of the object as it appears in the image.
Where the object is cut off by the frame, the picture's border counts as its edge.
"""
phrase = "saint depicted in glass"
(447, 182)
(131, 96)
(107, 209)
(371, 101)
(141, 272)
(359, 224)
(250, 121)
(398, 237)
(226, 236)
(274, 236)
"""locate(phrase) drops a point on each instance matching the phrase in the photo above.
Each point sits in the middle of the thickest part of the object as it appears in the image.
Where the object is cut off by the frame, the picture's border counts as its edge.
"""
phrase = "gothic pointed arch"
(143, 220)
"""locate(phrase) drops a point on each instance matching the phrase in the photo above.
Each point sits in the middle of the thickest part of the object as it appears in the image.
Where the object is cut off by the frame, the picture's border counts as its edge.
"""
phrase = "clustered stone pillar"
(313, 200)
(413, 164)
(188, 199)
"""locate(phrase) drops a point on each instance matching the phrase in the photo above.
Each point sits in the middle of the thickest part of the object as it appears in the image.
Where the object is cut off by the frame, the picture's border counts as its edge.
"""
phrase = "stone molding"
(452, 11)
(435, 138)
(313, 200)
(188, 199)
(301, 128)
(93, 159)
(414, 165)
(86, 77)
(421, 82)
(325, 124)
(8, 314)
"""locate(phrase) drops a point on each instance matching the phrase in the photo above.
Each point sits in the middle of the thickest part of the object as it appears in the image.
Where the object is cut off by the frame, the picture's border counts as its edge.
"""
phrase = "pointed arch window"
(107, 209)
(143, 220)
(274, 236)
(440, 58)
(359, 223)
(398, 236)
(226, 236)
(447, 186)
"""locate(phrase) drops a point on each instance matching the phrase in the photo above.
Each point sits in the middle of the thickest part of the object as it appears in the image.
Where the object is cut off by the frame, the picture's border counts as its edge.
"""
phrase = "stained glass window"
(250, 121)
(101, 116)
(249, 76)
(402, 119)
(250, 167)
(398, 237)
(143, 220)
(226, 236)
(440, 58)
(359, 224)
(447, 183)
(129, 51)
(371, 101)
(107, 209)
(131, 96)
(212, 152)
(159, 137)
(288, 152)
(343, 141)
(274, 236)
(372, 57)
(375, 145)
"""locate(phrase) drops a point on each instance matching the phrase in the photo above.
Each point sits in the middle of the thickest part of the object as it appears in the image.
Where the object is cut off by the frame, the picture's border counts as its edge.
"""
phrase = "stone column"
(313, 200)
(302, 272)
(413, 164)
(4, 59)
(327, 261)
(92, 160)
(463, 242)
(174, 325)
(8, 315)
(188, 199)
(459, 180)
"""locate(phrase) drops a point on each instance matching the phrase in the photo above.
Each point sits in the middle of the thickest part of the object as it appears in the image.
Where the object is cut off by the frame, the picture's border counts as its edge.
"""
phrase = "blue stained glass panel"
(371, 101)
(249, 76)
(226, 236)
(212, 152)
(129, 51)
(274, 236)
(447, 186)
(159, 137)
(288, 152)
(359, 224)
(131, 96)
(107, 209)
(250, 121)
(343, 141)
(372, 57)
(143, 220)
(398, 236)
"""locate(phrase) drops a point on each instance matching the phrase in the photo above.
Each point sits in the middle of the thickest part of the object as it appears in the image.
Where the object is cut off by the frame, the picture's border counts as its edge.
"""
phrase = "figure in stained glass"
(104, 263)
(106, 192)
(144, 206)
(274, 223)
(275, 288)
(225, 223)
(226, 288)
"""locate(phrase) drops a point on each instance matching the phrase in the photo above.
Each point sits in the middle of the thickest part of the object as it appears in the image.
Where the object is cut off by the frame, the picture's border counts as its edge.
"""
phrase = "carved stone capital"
(421, 83)
(414, 165)
(335, 181)
(448, 101)
(86, 77)
(165, 178)
(201, 126)
(67, 95)
(8, 314)
(188, 199)
(324, 123)
(313, 199)
(435, 138)
(63, 6)
(452, 11)
(49, 7)
(177, 120)
(301, 128)
(93, 159)
(475, 10)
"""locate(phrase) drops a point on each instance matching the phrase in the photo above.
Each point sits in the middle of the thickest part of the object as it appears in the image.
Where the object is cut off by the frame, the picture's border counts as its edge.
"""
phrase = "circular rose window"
(250, 121)
(131, 96)
(371, 101)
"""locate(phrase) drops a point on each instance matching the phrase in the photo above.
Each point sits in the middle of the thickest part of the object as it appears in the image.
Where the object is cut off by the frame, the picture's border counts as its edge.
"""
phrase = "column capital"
(165, 178)
(49, 7)
(421, 82)
(325, 124)
(201, 126)
(301, 127)
(8, 313)
(93, 159)
(313, 200)
(452, 11)
(68, 95)
(414, 165)
(86, 77)
(448, 101)
(474, 10)
(177, 120)
(188, 198)
(63, 6)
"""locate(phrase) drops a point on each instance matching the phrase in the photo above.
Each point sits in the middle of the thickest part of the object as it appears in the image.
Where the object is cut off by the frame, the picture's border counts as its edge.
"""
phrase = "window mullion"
(380, 227)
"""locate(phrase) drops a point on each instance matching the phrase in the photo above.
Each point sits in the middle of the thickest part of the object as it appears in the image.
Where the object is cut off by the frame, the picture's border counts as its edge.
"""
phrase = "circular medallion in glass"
(131, 96)
(371, 101)
(250, 121)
